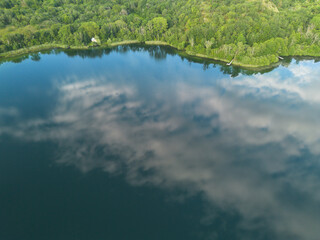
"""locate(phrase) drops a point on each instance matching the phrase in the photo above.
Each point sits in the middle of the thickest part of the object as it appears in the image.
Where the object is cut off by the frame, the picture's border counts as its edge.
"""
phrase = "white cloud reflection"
(250, 144)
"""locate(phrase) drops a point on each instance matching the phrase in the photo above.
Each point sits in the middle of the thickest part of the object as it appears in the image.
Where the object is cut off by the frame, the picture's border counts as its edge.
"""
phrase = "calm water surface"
(138, 143)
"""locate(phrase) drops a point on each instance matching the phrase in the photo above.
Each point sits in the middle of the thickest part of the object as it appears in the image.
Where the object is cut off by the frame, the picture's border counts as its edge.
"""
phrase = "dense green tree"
(250, 32)
(66, 34)
(157, 26)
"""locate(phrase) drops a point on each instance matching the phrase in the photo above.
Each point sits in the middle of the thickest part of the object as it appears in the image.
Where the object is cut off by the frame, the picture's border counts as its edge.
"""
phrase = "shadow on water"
(158, 53)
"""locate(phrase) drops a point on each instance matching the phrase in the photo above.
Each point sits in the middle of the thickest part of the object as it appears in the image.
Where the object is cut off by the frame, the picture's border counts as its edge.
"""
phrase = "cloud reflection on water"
(250, 144)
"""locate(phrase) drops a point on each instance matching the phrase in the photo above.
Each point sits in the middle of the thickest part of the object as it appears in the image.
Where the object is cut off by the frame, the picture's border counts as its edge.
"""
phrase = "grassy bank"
(114, 44)
(33, 49)
(158, 43)
(23, 51)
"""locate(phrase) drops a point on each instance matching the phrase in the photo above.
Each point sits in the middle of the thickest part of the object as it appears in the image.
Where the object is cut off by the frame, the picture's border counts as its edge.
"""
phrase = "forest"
(252, 33)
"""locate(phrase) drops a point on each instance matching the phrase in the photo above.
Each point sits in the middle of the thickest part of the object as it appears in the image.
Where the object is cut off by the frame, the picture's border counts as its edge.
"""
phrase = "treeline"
(252, 32)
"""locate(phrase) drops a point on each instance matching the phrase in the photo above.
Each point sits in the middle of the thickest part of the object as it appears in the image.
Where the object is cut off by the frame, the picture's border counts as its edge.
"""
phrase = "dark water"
(139, 143)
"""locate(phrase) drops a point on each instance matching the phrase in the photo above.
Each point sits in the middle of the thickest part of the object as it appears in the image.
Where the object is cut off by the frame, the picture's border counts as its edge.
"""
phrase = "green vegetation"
(251, 32)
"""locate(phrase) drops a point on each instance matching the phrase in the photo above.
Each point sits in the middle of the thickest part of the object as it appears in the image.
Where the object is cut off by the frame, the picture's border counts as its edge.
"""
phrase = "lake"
(140, 143)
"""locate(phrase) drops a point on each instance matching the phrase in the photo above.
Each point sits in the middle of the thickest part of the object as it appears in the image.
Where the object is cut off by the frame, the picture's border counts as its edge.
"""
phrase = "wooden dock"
(230, 63)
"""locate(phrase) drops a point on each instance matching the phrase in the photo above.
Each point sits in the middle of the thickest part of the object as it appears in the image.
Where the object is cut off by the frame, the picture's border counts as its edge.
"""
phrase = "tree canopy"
(251, 32)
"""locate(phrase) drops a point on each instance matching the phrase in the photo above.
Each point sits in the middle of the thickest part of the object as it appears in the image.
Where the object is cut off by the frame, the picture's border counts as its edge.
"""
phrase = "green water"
(140, 143)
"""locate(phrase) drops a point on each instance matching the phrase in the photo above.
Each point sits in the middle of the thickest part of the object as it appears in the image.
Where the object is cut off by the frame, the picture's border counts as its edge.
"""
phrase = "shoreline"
(182, 52)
